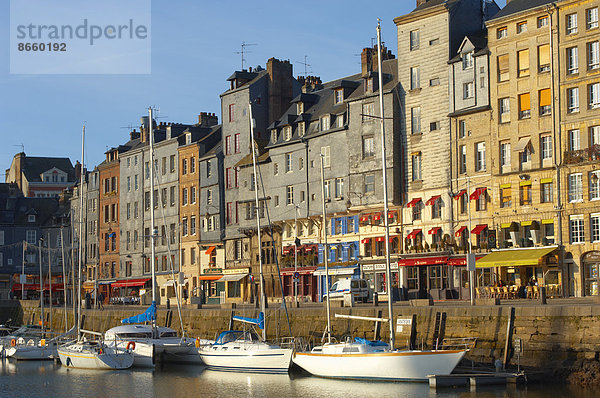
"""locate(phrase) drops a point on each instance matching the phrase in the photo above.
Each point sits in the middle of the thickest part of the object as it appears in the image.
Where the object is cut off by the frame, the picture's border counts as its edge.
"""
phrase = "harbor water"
(49, 379)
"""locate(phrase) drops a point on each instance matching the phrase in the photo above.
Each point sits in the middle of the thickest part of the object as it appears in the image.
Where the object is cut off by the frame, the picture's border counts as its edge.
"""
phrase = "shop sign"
(378, 267)
(236, 271)
(401, 322)
(592, 257)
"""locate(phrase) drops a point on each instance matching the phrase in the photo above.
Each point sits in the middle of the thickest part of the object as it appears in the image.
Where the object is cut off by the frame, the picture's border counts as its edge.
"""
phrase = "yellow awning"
(514, 258)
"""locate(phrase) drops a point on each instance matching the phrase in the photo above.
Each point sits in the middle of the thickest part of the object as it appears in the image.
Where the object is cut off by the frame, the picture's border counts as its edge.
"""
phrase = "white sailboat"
(84, 353)
(152, 342)
(374, 360)
(243, 350)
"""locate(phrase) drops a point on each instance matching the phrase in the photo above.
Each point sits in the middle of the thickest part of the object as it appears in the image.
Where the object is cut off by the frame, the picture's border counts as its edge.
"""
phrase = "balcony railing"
(587, 155)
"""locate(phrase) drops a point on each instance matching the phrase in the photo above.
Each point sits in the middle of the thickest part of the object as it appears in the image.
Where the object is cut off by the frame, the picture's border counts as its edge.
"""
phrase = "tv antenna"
(130, 126)
(157, 110)
(244, 51)
(22, 147)
(306, 66)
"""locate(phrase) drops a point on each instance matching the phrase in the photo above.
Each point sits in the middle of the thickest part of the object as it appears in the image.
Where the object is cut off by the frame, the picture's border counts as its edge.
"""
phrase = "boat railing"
(461, 343)
(288, 342)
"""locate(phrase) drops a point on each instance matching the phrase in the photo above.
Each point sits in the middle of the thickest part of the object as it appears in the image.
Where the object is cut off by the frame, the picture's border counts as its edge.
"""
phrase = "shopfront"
(235, 286)
(307, 283)
(591, 272)
(335, 273)
(427, 277)
(375, 276)
(129, 291)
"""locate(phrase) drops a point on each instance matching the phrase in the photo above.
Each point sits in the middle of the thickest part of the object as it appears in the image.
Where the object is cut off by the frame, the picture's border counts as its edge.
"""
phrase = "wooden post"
(413, 333)
(377, 331)
(509, 333)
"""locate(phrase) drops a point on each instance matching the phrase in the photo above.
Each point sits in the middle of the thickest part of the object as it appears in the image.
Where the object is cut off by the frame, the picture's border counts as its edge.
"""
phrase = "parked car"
(358, 287)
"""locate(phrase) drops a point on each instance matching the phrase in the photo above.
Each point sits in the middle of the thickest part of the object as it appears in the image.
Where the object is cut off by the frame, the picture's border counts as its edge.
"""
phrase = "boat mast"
(41, 284)
(64, 274)
(80, 233)
(260, 264)
(388, 272)
(325, 249)
(154, 230)
(49, 283)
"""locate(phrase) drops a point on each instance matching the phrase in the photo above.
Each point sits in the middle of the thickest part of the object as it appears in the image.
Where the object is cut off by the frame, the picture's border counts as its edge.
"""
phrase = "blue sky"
(194, 45)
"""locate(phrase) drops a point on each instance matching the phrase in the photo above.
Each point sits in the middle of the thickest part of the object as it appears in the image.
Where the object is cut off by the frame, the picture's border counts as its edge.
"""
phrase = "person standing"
(101, 301)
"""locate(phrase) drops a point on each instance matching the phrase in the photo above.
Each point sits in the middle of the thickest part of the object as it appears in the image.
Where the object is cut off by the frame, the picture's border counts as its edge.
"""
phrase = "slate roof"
(516, 6)
(34, 166)
(433, 3)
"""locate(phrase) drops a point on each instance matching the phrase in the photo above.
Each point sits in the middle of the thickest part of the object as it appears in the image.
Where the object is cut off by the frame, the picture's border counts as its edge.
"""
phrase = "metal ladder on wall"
(439, 329)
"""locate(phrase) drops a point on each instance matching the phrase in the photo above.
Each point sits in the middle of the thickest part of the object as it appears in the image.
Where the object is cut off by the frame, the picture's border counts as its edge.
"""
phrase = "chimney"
(19, 162)
(77, 171)
(420, 2)
(281, 89)
(206, 119)
(134, 135)
(312, 83)
(368, 58)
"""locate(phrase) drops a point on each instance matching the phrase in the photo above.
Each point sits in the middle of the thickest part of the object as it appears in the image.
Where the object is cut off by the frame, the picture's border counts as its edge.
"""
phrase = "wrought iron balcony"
(587, 155)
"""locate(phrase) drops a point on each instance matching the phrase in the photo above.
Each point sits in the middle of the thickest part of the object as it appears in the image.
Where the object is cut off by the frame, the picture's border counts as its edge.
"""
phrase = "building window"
(184, 197)
(274, 135)
(542, 21)
(415, 80)
(128, 211)
(525, 157)
(572, 60)
(163, 165)
(591, 18)
(523, 60)
(436, 209)
(326, 154)
(231, 112)
(325, 123)
(184, 166)
(546, 145)
(192, 195)
(416, 212)
(576, 228)
(468, 90)
(571, 24)
(595, 227)
(339, 121)
(289, 195)
(369, 183)
(546, 192)
(544, 58)
(573, 100)
(594, 185)
(467, 60)
(595, 135)
(503, 68)
(593, 55)
(434, 82)
(521, 27)
(574, 140)
(480, 161)
(416, 167)
(433, 126)
(236, 143)
(462, 129)
(525, 194)
(339, 187)
(524, 106)
(481, 202)
(414, 40)
(287, 133)
(192, 226)
(31, 236)
(501, 33)
(208, 169)
(505, 196)
(575, 187)
(415, 120)
(301, 129)
(368, 111)
(504, 154)
(545, 102)
(594, 96)
(327, 189)
(288, 162)
(338, 96)
(462, 159)
(227, 145)
(172, 163)
(504, 109)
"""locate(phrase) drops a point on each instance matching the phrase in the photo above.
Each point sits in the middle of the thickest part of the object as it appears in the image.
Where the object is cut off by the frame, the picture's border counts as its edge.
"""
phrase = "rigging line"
(283, 302)
(168, 240)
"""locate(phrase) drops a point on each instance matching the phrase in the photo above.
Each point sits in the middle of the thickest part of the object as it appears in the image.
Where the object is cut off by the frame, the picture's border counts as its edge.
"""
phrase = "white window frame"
(546, 146)
(415, 120)
(368, 147)
(417, 167)
(326, 152)
(576, 229)
(288, 162)
(573, 100)
(338, 96)
(415, 78)
(325, 123)
(594, 135)
(287, 133)
(594, 185)
(521, 27)
(468, 90)
(572, 60)
(467, 60)
(462, 159)
(480, 161)
(593, 55)
(31, 236)
(414, 40)
(591, 18)
(504, 154)
(339, 187)
(571, 24)
(595, 227)
(594, 96)
(575, 187)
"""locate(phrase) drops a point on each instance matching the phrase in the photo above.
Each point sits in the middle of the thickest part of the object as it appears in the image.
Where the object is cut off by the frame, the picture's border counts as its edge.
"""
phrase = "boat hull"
(92, 359)
(143, 353)
(395, 365)
(274, 360)
(32, 353)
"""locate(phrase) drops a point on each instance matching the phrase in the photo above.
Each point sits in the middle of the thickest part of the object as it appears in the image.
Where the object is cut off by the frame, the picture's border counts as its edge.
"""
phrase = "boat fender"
(100, 351)
(13, 342)
(43, 342)
(197, 342)
(131, 346)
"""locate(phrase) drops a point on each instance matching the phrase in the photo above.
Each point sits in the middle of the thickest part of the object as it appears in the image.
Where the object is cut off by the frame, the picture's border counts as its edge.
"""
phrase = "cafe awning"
(210, 250)
(130, 282)
(437, 260)
(478, 229)
(460, 193)
(514, 257)
(376, 216)
(434, 230)
(209, 277)
(413, 234)
(413, 202)
(432, 200)
(477, 193)
(380, 239)
(232, 278)
(460, 231)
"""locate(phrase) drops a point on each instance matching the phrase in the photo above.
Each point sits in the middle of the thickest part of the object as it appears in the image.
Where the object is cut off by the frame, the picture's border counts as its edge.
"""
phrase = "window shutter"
(503, 63)
(356, 225)
(344, 225)
(545, 97)
(332, 258)
(345, 253)
(523, 59)
(333, 226)
(524, 102)
(321, 259)
(544, 54)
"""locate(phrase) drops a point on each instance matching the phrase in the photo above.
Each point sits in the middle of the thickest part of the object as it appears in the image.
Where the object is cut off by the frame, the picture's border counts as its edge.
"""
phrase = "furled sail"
(146, 316)
(260, 321)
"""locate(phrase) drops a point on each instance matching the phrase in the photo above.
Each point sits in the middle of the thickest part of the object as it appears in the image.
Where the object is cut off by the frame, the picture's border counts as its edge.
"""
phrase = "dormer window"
(325, 123)
(369, 85)
(467, 60)
(188, 138)
(31, 218)
(339, 120)
(301, 129)
(339, 96)
(287, 133)
(274, 135)
(300, 108)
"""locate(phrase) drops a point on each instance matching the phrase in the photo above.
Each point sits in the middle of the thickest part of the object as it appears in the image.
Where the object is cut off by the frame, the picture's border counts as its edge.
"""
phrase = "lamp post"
(295, 253)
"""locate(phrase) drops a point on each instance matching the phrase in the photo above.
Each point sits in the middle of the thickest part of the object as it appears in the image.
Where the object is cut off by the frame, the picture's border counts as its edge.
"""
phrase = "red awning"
(461, 193)
(380, 239)
(210, 250)
(434, 230)
(422, 261)
(365, 240)
(413, 234)
(461, 260)
(477, 230)
(477, 193)
(310, 248)
(376, 216)
(392, 238)
(391, 214)
(364, 218)
(432, 200)
(413, 202)
(209, 277)
(460, 231)
(287, 250)
(130, 282)
(36, 286)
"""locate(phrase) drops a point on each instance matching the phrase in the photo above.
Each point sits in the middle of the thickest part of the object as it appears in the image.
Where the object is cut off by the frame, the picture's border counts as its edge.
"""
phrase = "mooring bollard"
(375, 299)
(543, 294)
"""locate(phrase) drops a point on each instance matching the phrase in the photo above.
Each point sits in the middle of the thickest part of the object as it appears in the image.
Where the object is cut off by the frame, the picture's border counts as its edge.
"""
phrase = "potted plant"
(434, 246)
(514, 230)
(426, 247)
(535, 232)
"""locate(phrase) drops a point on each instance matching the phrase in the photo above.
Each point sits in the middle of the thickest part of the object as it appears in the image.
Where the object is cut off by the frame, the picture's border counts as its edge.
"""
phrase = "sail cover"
(260, 321)
(146, 316)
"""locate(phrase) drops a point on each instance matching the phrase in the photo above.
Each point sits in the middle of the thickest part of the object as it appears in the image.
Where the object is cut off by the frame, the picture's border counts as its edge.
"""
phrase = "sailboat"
(151, 342)
(244, 350)
(374, 360)
(89, 353)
